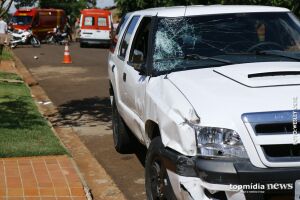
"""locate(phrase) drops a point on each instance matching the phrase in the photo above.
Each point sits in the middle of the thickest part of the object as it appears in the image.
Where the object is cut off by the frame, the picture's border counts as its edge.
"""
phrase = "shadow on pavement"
(96, 46)
(92, 112)
(140, 151)
(86, 112)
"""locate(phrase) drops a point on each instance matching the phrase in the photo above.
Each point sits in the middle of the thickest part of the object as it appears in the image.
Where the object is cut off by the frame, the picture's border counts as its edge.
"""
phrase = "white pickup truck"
(212, 92)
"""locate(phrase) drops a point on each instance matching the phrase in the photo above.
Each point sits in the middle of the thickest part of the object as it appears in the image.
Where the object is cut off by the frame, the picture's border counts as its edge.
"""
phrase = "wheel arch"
(152, 129)
(111, 89)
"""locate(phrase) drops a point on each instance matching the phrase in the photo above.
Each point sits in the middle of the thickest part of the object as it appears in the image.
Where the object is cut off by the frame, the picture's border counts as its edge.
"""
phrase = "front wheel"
(35, 42)
(158, 185)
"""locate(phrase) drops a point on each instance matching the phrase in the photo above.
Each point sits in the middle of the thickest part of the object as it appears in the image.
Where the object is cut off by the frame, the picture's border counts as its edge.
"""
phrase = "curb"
(97, 183)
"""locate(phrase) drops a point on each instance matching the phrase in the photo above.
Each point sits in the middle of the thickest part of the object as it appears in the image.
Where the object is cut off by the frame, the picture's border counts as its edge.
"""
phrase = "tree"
(4, 6)
(71, 7)
(91, 3)
(24, 3)
(127, 6)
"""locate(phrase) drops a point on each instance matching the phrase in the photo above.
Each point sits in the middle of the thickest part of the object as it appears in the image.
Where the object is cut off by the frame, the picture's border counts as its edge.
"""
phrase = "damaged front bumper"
(219, 179)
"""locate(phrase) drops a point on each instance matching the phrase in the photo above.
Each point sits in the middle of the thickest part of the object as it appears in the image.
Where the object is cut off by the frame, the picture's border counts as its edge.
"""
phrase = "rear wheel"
(158, 186)
(35, 42)
(14, 45)
(121, 133)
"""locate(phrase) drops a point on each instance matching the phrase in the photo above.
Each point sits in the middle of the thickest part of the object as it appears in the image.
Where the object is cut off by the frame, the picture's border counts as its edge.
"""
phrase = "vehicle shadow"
(96, 46)
(85, 112)
(140, 151)
(91, 112)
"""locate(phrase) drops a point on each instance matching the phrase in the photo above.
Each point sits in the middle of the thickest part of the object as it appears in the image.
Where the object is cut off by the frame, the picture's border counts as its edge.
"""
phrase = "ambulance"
(95, 27)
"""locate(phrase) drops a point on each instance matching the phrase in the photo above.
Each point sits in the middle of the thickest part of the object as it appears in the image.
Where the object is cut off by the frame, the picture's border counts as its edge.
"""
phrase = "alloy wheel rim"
(157, 178)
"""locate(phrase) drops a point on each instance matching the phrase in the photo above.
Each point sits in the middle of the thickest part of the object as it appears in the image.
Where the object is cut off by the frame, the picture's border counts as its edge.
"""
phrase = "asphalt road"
(80, 91)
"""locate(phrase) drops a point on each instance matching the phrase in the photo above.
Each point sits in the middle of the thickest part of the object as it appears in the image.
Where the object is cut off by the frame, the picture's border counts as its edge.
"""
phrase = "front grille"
(273, 135)
(276, 128)
(283, 150)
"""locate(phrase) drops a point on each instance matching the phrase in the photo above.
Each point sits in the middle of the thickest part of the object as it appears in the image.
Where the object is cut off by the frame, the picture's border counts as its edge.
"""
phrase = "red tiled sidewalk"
(39, 178)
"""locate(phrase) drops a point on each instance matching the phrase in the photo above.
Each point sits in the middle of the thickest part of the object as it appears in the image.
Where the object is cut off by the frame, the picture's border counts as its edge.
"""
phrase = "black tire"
(158, 185)
(13, 45)
(82, 45)
(35, 42)
(123, 140)
(49, 39)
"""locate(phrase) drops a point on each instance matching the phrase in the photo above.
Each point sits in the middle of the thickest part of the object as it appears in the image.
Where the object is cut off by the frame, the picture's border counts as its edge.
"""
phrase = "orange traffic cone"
(67, 56)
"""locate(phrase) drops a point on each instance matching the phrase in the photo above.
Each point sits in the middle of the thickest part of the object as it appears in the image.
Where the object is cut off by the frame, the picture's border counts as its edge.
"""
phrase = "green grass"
(6, 54)
(23, 131)
(4, 75)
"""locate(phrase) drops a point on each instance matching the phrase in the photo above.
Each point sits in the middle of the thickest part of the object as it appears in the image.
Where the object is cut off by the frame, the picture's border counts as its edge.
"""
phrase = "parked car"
(41, 21)
(95, 27)
(213, 93)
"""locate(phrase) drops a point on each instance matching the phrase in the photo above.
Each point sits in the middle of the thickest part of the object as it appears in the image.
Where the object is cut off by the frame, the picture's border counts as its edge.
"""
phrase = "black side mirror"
(137, 61)
(137, 56)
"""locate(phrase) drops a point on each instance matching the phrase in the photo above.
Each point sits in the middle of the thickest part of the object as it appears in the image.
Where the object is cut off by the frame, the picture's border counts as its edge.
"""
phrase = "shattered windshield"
(231, 37)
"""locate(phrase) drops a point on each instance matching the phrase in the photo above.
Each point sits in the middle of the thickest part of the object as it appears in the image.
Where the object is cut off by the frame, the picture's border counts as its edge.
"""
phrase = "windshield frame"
(154, 72)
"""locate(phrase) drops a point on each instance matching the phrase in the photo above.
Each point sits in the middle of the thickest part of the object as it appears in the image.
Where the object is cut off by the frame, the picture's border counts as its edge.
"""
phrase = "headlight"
(219, 142)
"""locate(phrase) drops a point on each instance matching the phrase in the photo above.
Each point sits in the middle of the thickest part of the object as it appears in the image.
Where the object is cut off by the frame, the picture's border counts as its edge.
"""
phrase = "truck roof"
(36, 9)
(177, 11)
(95, 11)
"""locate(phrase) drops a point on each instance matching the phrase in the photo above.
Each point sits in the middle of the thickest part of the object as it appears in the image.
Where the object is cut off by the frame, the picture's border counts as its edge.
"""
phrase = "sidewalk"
(43, 178)
(38, 178)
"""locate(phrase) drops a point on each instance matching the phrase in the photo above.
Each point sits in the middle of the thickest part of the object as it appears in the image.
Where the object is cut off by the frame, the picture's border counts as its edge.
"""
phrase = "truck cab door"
(121, 71)
(135, 77)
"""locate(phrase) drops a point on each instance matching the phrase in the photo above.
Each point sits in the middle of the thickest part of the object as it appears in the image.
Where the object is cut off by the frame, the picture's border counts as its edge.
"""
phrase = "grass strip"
(6, 54)
(23, 131)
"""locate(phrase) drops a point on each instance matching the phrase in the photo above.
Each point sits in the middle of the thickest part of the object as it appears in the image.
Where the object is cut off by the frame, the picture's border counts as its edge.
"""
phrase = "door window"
(127, 36)
(139, 48)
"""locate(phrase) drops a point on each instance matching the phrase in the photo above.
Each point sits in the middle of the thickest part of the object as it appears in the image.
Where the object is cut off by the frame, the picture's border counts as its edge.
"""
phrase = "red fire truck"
(41, 21)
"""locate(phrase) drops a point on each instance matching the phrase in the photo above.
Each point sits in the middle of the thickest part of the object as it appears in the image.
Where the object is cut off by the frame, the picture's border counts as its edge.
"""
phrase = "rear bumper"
(236, 175)
(94, 41)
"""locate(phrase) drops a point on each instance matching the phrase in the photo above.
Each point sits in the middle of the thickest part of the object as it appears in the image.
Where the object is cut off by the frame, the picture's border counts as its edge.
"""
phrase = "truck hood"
(263, 74)
(221, 95)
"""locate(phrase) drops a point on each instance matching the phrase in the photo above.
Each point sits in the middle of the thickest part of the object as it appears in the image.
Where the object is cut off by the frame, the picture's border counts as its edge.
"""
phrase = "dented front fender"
(169, 108)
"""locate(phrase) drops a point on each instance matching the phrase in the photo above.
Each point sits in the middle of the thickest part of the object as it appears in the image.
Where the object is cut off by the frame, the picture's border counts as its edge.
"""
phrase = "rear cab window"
(118, 30)
(127, 36)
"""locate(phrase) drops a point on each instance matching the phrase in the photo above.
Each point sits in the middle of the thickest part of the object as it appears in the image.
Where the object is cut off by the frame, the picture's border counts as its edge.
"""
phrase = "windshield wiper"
(277, 53)
(199, 57)
(195, 57)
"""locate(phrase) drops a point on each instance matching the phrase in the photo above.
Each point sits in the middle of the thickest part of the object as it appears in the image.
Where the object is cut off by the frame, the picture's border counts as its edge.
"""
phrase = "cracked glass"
(207, 41)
